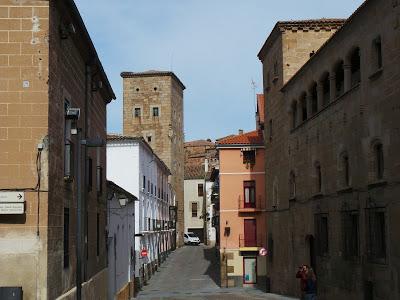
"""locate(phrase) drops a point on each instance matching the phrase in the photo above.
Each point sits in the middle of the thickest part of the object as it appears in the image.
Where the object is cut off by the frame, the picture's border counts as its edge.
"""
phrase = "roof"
(261, 107)
(120, 190)
(198, 143)
(194, 172)
(250, 138)
(89, 47)
(153, 73)
(324, 45)
(310, 24)
(139, 139)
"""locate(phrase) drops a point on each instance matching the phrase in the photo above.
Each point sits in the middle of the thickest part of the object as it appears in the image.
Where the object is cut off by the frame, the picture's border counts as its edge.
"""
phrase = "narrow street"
(193, 272)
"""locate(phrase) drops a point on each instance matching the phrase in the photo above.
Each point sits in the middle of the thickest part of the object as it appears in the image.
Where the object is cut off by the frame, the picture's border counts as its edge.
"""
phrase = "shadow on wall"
(213, 270)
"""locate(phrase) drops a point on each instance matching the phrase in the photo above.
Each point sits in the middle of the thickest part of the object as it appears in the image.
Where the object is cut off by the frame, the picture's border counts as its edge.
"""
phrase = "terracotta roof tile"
(250, 138)
(198, 143)
(194, 172)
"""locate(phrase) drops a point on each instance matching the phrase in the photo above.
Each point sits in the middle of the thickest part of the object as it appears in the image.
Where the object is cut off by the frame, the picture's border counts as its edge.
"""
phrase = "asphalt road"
(192, 272)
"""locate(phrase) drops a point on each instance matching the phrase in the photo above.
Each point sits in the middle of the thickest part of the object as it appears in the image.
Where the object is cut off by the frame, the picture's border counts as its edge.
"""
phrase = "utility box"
(11, 293)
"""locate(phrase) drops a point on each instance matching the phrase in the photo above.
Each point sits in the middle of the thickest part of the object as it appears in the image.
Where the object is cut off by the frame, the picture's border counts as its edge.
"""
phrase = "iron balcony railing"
(251, 204)
(250, 241)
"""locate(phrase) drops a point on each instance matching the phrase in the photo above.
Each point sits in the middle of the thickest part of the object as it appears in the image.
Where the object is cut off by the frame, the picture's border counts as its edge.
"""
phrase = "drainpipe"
(88, 92)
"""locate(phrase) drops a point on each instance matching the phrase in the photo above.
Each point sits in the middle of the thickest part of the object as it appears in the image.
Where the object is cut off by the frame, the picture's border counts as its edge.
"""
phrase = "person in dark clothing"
(302, 274)
(311, 285)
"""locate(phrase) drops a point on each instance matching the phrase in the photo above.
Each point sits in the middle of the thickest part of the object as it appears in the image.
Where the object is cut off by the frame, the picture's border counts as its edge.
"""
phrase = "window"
(90, 174)
(321, 233)
(377, 52)
(98, 235)
(350, 234)
(326, 88)
(318, 174)
(355, 67)
(194, 209)
(345, 170)
(294, 114)
(66, 237)
(99, 179)
(200, 191)
(292, 185)
(379, 162)
(68, 145)
(155, 112)
(376, 233)
(314, 99)
(152, 188)
(339, 72)
(249, 157)
(144, 182)
(249, 193)
(137, 112)
(303, 103)
(148, 186)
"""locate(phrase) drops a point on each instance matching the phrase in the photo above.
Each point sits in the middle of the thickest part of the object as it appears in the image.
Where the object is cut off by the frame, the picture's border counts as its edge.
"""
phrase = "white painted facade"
(133, 165)
(211, 232)
(191, 195)
(121, 238)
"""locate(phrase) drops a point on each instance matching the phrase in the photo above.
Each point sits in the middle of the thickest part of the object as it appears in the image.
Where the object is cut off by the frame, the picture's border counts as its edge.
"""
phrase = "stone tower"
(153, 109)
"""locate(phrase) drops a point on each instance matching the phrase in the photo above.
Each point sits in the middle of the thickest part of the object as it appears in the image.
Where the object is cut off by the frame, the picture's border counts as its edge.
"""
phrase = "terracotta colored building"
(242, 209)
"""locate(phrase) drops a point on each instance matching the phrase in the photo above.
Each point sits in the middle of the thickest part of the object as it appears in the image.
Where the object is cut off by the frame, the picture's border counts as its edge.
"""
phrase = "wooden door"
(250, 233)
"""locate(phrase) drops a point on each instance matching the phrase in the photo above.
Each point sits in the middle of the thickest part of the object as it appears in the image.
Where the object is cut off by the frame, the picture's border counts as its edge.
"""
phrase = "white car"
(191, 239)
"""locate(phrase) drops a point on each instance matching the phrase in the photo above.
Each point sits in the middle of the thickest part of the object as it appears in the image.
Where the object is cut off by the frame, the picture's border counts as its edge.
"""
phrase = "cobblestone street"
(192, 272)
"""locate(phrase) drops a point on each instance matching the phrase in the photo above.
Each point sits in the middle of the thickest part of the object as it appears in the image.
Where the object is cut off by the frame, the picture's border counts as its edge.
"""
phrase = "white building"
(132, 164)
(120, 241)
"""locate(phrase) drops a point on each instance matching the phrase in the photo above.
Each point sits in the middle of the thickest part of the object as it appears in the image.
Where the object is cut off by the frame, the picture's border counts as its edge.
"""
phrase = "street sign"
(143, 253)
(15, 197)
(263, 252)
(12, 208)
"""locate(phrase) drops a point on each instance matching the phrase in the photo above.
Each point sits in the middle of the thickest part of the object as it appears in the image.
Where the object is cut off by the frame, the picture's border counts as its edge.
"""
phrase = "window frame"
(322, 234)
(249, 185)
(193, 205)
(200, 190)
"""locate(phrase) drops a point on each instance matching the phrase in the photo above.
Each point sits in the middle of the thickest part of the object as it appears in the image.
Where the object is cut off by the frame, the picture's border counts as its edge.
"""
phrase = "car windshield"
(192, 235)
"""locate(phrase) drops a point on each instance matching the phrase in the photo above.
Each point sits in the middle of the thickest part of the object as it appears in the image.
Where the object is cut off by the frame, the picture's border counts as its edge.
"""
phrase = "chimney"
(240, 131)
(206, 165)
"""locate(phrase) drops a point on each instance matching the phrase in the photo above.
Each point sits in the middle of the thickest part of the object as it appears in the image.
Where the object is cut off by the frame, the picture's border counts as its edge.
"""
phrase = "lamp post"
(73, 115)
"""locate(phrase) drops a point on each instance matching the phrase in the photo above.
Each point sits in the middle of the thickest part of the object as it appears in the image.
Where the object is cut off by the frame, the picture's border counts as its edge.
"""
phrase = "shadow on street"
(213, 270)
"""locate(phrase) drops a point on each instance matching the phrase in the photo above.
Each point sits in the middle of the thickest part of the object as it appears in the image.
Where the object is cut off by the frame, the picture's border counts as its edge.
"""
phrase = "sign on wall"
(12, 203)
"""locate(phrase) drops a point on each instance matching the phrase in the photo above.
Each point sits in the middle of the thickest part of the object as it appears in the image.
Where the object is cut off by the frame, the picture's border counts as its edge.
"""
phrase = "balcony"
(250, 243)
(255, 206)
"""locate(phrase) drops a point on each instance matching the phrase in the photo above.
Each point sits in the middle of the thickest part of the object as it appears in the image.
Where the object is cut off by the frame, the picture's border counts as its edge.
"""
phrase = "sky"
(211, 45)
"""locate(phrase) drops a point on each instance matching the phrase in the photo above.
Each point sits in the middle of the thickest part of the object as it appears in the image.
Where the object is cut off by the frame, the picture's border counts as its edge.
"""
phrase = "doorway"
(310, 242)
(249, 270)
(250, 233)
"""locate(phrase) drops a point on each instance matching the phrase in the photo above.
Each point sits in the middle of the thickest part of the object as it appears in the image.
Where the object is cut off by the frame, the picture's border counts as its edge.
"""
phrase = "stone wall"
(350, 123)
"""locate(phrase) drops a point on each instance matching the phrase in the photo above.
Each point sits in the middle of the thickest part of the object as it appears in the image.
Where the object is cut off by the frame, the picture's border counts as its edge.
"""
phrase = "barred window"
(376, 233)
(194, 209)
(350, 234)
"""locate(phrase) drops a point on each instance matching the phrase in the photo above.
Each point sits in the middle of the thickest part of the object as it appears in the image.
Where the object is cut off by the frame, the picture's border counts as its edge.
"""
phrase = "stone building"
(332, 140)
(153, 109)
(48, 64)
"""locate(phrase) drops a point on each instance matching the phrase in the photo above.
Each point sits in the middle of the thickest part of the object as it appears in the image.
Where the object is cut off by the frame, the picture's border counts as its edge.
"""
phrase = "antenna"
(254, 86)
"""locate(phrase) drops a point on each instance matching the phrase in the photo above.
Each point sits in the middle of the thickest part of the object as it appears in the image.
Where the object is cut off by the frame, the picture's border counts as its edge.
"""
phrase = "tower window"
(156, 112)
(137, 112)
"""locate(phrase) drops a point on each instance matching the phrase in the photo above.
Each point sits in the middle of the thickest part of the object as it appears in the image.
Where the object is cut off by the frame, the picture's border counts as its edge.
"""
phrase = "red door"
(250, 233)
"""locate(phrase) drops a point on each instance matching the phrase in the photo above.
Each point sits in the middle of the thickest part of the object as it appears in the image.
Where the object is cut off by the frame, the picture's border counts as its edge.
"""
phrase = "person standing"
(302, 274)
(311, 285)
